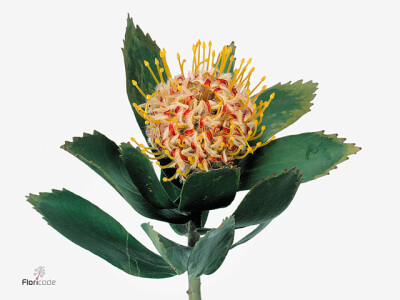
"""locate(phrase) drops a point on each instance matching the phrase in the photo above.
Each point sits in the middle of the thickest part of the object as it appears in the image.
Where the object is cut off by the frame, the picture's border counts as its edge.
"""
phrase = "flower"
(203, 120)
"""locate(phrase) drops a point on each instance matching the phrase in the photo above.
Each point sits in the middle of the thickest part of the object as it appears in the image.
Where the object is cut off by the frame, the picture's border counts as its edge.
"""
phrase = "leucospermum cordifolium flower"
(204, 119)
(212, 133)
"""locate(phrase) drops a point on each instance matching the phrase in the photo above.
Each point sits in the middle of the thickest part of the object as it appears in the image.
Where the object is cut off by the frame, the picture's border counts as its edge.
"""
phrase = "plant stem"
(194, 289)
(193, 236)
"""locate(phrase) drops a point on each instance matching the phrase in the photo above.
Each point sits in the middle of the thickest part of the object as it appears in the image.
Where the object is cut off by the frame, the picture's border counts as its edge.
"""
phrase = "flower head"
(205, 119)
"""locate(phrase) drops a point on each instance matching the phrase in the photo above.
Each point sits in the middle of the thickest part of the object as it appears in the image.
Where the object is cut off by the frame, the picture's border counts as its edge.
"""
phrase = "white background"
(62, 73)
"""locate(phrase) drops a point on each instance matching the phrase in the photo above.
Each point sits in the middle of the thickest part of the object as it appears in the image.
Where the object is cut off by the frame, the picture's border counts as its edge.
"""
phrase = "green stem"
(194, 289)
(193, 236)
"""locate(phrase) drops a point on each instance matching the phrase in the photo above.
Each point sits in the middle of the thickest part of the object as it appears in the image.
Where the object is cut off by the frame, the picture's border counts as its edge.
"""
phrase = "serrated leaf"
(174, 254)
(314, 153)
(142, 174)
(210, 251)
(139, 47)
(291, 101)
(267, 199)
(209, 190)
(102, 155)
(91, 228)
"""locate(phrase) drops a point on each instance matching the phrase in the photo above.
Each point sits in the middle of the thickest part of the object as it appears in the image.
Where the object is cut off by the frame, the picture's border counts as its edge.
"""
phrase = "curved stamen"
(173, 176)
(155, 158)
(244, 155)
(159, 144)
(267, 142)
(236, 152)
(178, 141)
(169, 155)
(141, 145)
(165, 166)
(258, 135)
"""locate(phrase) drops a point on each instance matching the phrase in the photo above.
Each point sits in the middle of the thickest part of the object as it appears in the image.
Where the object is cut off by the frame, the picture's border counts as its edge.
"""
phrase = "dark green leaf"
(204, 217)
(102, 156)
(252, 234)
(209, 190)
(267, 199)
(210, 251)
(260, 206)
(174, 193)
(141, 171)
(91, 228)
(291, 101)
(314, 153)
(175, 254)
(183, 229)
(139, 47)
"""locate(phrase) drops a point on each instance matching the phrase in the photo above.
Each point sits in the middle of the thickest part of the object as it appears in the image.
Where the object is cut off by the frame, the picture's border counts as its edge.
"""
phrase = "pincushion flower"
(212, 133)
(205, 119)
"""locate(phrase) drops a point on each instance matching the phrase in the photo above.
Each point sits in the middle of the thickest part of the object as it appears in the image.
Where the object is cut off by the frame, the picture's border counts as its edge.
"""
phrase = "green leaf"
(267, 199)
(141, 171)
(174, 193)
(139, 47)
(209, 190)
(210, 251)
(180, 229)
(91, 228)
(291, 101)
(102, 156)
(204, 217)
(183, 229)
(252, 234)
(232, 54)
(174, 254)
(314, 153)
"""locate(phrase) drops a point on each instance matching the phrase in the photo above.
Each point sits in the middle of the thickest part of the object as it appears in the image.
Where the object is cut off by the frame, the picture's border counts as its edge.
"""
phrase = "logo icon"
(39, 272)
